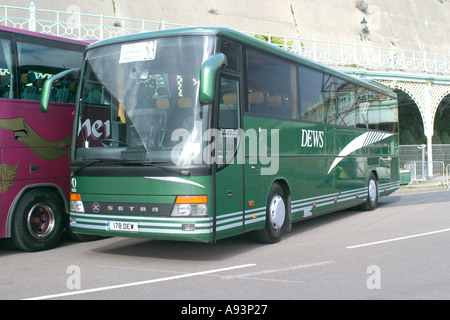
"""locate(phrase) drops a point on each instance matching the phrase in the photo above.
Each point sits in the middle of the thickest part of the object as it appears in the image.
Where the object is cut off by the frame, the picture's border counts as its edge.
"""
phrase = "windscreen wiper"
(87, 164)
(131, 162)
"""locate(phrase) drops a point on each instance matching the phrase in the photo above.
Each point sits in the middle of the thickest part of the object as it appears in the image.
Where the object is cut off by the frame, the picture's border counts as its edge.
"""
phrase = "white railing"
(78, 25)
(74, 24)
(419, 171)
(376, 58)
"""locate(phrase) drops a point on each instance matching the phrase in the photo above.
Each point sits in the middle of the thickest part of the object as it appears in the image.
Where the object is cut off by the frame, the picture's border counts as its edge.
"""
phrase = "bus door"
(229, 178)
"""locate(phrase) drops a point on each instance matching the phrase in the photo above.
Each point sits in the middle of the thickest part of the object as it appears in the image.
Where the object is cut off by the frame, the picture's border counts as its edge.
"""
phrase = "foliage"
(278, 41)
(362, 5)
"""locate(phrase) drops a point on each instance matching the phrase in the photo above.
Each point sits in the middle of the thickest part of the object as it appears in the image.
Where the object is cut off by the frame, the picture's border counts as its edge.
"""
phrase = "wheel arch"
(288, 192)
(50, 187)
(375, 173)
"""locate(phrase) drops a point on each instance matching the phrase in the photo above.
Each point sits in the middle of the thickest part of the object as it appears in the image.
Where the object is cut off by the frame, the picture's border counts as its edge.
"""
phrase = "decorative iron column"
(427, 95)
(429, 128)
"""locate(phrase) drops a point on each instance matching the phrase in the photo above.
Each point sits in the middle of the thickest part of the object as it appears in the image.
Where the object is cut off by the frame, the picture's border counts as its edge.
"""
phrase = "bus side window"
(271, 86)
(6, 75)
(311, 94)
(362, 107)
(38, 62)
(228, 123)
(232, 50)
(229, 106)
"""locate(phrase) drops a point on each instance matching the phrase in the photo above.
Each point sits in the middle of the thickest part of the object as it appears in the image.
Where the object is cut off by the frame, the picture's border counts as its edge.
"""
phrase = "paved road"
(399, 251)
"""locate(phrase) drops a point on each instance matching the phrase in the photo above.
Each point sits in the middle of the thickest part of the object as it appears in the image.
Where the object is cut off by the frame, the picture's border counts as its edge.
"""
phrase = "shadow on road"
(177, 250)
(234, 246)
(242, 244)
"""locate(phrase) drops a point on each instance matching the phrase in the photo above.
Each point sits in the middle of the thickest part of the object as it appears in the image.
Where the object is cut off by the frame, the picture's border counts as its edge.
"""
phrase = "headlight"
(190, 206)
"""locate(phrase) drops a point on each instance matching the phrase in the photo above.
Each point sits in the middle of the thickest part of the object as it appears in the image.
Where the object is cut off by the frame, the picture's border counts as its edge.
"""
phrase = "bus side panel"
(229, 197)
(351, 174)
(378, 154)
(389, 179)
(307, 154)
(262, 165)
(35, 148)
(3, 212)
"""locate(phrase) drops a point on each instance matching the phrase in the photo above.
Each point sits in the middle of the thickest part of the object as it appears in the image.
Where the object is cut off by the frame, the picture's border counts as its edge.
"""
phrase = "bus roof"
(251, 41)
(46, 36)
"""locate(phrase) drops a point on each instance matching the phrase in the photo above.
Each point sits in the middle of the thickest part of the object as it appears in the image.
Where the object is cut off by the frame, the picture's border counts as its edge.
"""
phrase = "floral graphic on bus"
(8, 173)
(26, 135)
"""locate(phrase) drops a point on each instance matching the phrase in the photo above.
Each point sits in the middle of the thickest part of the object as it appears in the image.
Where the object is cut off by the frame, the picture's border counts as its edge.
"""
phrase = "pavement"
(422, 187)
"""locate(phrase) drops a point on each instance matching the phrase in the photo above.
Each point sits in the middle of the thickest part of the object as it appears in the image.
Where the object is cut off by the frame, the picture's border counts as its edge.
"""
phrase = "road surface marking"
(303, 266)
(397, 239)
(139, 283)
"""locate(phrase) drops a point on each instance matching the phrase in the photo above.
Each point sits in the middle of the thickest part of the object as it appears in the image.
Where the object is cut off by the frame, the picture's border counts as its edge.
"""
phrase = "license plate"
(122, 226)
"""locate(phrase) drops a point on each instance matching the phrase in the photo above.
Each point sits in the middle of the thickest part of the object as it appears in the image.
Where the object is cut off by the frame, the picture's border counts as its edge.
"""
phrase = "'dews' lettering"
(312, 139)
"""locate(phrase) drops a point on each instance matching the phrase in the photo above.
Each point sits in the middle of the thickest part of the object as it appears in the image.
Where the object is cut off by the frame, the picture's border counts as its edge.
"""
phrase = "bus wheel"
(276, 216)
(372, 197)
(38, 221)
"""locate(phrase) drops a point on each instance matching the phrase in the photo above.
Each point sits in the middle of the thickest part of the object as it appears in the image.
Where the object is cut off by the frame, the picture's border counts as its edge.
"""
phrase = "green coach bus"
(199, 134)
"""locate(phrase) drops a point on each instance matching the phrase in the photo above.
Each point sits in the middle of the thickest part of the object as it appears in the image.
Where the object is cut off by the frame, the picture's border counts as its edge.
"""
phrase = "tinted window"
(271, 84)
(6, 67)
(232, 51)
(362, 107)
(38, 63)
(313, 95)
(376, 111)
(276, 90)
(346, 103)
(383, 113)
(228, 120)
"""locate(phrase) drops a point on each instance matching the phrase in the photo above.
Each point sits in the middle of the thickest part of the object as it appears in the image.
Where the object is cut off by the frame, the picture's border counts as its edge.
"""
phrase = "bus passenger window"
(362, 108)
(6, 78)
(272, 86)
(37, 63)
(374, 111)
(312, 95)
(345, 102)
(389, 110)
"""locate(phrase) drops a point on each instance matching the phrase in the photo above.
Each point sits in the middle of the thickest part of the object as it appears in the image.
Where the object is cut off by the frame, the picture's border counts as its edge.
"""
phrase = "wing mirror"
(71, 75)
(208, 73)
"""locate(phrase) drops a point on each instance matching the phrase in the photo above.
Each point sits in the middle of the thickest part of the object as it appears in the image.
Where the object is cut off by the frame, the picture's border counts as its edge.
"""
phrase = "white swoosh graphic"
(362, 141)
(175, 179)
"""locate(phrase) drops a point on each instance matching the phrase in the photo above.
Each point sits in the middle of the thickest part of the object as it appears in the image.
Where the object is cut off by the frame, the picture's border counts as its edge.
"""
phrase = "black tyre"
(38, 221)
(276, 216)
(372, 197)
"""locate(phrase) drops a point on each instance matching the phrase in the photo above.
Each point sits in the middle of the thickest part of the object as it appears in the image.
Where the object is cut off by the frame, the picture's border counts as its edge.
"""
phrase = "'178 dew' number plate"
(122, 226)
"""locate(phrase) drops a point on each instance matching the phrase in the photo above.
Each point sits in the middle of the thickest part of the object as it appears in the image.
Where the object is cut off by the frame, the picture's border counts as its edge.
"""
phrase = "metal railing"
(447, 170)
(74, 24)
(78, 25)
(419, 172)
